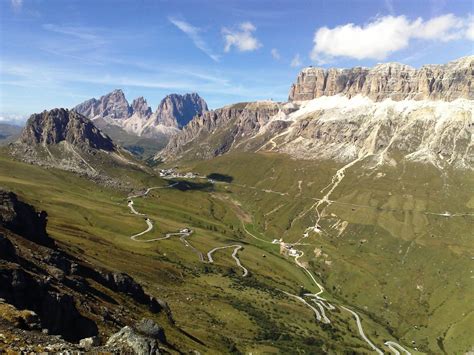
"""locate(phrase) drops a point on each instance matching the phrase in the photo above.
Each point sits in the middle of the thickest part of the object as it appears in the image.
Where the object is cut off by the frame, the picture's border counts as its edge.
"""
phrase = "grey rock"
(128, 339)
(389, 80)
(140, 107)
(58, 125)
(177, 110)
(149, 328)
(113, 106)
(87, 343)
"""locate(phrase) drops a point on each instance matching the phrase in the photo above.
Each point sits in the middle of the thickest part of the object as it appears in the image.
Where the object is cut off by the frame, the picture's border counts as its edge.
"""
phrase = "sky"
(58, 53)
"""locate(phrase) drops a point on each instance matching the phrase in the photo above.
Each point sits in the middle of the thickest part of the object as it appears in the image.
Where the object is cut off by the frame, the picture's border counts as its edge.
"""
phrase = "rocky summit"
(61, 125)
(64, 139)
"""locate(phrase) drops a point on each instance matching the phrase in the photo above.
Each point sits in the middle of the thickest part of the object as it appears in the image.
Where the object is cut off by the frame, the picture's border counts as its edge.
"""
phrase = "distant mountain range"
(389, 113)
(173, 112)
(386, 113)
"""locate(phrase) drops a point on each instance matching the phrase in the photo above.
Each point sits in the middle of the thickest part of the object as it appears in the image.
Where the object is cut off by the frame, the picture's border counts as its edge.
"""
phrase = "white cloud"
(193, 33)
(242, 38)
(470, 28)
(383, 36)
(17, 4)
(296, 61)
(275, 53)
(445, 28)
(11, 118)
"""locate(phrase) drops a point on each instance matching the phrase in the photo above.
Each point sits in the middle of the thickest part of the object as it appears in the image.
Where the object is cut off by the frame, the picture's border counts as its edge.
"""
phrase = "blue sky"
(60, 53)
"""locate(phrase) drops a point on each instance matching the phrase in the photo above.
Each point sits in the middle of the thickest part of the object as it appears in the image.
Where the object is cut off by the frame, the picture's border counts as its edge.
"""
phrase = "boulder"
(130, 340)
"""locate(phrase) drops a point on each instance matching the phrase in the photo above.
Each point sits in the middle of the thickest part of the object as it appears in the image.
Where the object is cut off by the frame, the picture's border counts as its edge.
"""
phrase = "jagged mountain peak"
(140, 107)
(176, 110)
(173, 112)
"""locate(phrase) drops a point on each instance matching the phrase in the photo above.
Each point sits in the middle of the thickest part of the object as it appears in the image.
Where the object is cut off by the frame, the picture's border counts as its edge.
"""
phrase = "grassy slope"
(404, 268)
(95, 223)
(386, 247)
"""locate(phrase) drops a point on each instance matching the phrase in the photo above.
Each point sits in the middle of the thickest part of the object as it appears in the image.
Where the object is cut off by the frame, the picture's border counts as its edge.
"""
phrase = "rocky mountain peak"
(389, 80)
(140, 107)
(114, 105)
(58, 125)
(177, 110)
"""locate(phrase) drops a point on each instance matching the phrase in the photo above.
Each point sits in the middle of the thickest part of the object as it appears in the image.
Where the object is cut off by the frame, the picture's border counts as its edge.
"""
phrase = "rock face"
(177, 110)
(390, 80)
(172, 113)
(23, 219)
(67, 140)
(140, 107)
(58, 125)
(383, 114)
(112, 106)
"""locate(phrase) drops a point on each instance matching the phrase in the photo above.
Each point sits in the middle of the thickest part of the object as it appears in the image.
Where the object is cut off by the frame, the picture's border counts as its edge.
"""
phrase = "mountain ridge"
(346, 124)
(388, 80)
(137, 118)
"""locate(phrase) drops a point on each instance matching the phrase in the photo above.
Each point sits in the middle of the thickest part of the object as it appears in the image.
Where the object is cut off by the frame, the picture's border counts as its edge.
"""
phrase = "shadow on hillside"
(190, 185)
(220, 177)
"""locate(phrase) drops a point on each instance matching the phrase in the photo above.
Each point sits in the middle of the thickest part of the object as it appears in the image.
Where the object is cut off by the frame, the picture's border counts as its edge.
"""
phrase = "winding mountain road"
(236, 247)
(361, 330)
(394, 347)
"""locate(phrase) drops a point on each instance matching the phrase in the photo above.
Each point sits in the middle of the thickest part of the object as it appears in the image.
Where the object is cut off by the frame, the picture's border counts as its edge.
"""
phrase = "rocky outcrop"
(177, 110)
(23, 219)
(140, 107)
(67, 140)
(389, 80)
(61, 125)
(111, 106)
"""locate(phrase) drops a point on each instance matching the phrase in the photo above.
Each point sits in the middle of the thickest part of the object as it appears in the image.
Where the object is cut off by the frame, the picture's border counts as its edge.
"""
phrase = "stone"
(128, 339)
(87, 343)
(149, 328)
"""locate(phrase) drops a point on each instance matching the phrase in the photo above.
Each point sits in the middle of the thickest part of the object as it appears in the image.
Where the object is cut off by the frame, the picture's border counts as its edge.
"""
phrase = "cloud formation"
(194, 34)
(296, 61)
(385, 35)
(275, 54)
(242, 38)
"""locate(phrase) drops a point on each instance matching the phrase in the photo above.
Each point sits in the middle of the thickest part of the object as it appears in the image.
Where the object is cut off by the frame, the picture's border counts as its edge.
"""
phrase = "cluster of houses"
(172, 173)
(286, 248)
